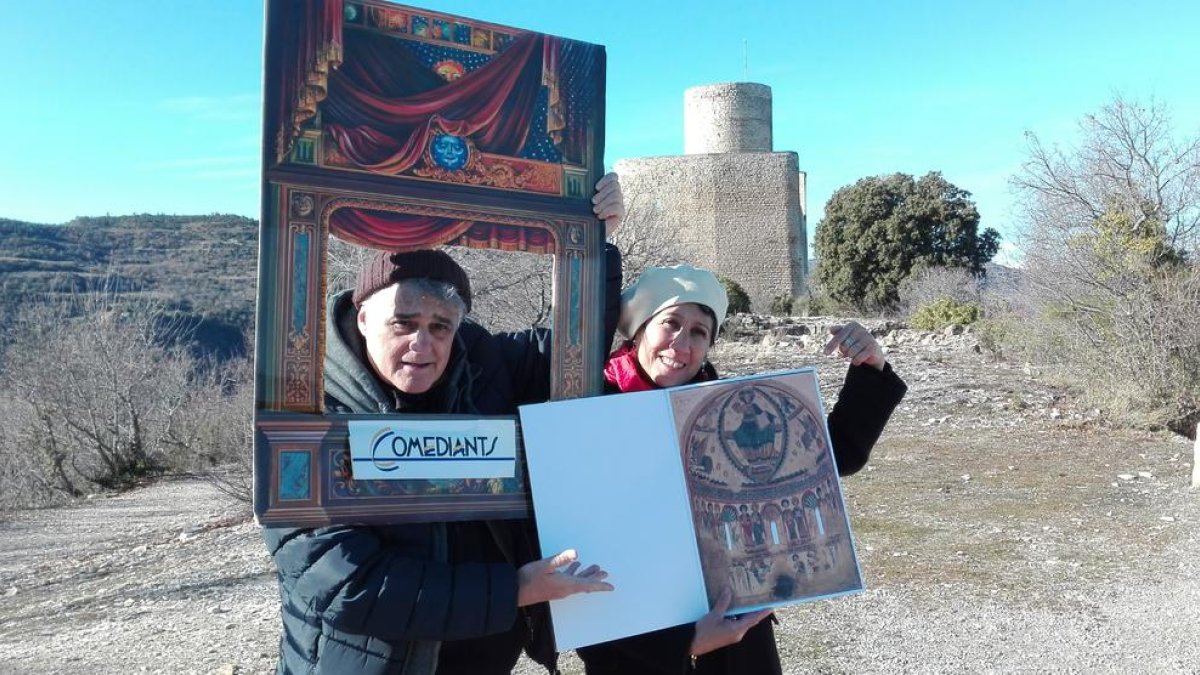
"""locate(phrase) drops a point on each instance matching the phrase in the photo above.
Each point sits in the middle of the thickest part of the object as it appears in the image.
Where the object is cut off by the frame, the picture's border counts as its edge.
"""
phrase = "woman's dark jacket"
(418, 598)
(865, 404)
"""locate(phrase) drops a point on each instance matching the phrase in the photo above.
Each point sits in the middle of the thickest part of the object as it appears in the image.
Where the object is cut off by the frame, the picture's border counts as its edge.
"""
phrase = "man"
(426, 598)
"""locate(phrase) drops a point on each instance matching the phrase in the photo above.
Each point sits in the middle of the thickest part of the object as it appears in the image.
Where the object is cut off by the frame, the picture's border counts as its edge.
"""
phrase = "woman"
(669, 321)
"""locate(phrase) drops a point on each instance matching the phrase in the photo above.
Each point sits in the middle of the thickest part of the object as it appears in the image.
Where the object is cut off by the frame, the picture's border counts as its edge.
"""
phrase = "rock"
(1145, 474)
(1126, 476)
(12, 590)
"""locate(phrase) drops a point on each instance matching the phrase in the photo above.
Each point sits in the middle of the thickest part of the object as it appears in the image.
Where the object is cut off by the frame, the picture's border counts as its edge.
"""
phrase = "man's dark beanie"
(386, 268)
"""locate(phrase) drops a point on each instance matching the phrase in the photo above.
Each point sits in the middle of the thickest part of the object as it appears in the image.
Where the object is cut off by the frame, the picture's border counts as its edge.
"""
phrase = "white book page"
(607, 481)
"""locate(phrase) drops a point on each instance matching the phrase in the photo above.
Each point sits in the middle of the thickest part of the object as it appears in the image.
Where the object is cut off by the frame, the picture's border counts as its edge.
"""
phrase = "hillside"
(204, 267)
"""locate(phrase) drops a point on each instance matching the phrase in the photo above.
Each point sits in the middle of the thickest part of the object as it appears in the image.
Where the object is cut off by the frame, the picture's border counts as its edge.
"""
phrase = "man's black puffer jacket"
(400, 598)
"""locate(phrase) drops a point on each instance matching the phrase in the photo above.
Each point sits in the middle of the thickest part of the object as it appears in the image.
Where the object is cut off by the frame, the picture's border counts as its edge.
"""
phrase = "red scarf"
(623, 372)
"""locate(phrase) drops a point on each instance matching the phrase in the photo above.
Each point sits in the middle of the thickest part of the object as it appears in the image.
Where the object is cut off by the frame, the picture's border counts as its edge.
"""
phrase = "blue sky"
(140, 106)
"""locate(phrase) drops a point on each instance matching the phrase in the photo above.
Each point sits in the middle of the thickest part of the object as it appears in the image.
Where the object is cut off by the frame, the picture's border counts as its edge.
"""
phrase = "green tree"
(879, 230)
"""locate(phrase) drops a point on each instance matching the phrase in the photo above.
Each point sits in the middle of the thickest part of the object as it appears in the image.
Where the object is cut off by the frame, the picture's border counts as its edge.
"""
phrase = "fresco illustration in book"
(766, 502)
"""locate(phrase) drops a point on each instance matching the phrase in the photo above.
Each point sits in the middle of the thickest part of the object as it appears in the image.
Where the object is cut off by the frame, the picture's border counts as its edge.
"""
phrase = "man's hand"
(542, 580)
(714, 631)
(608, 203)
(855, 342)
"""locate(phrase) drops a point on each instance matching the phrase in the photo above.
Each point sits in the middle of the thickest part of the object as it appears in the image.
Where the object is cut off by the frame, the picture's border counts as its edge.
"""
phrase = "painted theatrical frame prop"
(725, 484)
(400, 128)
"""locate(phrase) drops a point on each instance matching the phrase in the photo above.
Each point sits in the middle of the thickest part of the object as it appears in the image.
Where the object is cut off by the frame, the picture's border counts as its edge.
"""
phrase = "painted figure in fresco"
(832, 549)
(756, 433)
(761, 568)
(701, 462)
(420, 598)
(809, 439)
(710, 519)
(789, 519)
(747, 524)
(825, 503)
(669, 321)
(757, 525)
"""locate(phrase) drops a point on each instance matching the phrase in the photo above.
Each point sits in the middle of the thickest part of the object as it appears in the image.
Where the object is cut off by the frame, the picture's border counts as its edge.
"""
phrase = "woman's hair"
(708, 311)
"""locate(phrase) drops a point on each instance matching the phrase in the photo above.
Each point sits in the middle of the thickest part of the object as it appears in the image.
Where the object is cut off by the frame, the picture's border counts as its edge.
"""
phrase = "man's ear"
(362, 320)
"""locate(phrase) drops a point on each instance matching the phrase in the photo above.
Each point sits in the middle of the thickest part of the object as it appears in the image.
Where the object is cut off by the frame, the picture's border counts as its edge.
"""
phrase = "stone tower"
(737, 205)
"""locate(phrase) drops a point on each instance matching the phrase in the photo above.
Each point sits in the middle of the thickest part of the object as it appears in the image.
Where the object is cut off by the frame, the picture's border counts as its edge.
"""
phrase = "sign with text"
(433, 449)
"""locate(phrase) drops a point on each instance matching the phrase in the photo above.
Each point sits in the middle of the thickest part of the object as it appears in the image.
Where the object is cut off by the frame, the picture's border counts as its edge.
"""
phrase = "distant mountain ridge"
(203, 267)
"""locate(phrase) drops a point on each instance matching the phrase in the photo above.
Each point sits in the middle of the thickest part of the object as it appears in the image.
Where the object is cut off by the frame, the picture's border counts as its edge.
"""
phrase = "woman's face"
(674, 343)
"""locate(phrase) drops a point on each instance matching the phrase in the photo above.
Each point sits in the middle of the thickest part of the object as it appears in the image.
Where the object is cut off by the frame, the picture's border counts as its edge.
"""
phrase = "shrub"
(100, 392)
(926, 285)
(945, 312)
(739, 302)
(995, 335)
(781, 305)
(814, 303)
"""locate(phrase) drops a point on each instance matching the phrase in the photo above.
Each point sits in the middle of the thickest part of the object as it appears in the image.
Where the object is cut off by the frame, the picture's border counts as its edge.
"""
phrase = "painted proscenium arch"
(406, 225)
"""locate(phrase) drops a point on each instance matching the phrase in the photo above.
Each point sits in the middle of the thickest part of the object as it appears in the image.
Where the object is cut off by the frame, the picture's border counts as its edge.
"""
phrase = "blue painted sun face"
(449, 152)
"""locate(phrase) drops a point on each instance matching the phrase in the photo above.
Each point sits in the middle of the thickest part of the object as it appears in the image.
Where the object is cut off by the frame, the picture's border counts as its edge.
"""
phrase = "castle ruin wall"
(739, 214)
(731, 117)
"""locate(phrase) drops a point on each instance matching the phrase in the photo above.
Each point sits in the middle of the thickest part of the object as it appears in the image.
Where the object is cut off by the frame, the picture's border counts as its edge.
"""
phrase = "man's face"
(409, 336)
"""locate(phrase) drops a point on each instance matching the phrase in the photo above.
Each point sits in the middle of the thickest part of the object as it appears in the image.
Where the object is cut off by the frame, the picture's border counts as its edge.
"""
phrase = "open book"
(679, 493)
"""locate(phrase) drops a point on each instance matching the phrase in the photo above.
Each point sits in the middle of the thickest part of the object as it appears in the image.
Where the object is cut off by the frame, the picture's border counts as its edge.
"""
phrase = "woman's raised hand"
(856, 343)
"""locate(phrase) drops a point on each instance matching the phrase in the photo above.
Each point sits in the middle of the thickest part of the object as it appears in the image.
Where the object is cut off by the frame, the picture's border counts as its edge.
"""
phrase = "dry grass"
(1017, 511)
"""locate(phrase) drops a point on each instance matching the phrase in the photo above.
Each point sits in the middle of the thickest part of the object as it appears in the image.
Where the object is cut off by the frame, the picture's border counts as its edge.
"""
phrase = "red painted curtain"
(405, 232)
(381, 114)
(311, 40)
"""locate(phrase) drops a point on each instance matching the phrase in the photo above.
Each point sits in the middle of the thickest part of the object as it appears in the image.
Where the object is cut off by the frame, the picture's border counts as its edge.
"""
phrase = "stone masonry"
(737, 206)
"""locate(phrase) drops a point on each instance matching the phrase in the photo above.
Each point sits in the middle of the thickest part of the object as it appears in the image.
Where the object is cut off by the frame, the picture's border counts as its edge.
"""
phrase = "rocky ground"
(1001, 528)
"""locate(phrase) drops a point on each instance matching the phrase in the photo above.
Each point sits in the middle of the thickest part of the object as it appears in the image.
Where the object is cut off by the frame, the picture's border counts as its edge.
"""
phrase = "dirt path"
(171, 578)
(1000, 530)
